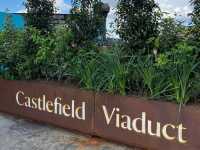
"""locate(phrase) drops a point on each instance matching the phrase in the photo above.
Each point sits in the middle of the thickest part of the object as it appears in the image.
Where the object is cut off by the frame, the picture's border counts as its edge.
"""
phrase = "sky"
(178, 7)
(17, 5)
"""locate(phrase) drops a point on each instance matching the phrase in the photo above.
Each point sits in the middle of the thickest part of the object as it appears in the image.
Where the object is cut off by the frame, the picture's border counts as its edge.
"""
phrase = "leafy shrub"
(55, 53)
(171, 33)
(196, 20)
(25, 65)
(101, 70)
(29, 54)
(114, 71)
(137, 22)
(11, 42)
(86, 21)
(173, 74)
(154, 77)
(87, 70)
(183, 73)
(39, 14)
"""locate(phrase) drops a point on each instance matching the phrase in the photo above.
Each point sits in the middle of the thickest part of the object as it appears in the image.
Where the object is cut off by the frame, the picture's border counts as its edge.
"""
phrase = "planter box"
(148, 124)
(73, 100)
(129, 120)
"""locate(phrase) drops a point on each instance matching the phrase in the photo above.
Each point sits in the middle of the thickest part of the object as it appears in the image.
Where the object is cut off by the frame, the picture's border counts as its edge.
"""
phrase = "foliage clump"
(39, 14)
(137, 24)
(157, 58)
(196, 18)
(88, 20)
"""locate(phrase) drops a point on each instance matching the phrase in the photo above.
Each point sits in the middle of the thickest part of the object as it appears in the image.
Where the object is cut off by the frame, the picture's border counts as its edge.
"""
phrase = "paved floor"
(20, 134)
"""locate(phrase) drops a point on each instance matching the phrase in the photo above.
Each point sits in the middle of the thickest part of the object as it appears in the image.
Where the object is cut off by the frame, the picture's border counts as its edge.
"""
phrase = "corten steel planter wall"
(8, 90)
(105, 115)
(165, 113)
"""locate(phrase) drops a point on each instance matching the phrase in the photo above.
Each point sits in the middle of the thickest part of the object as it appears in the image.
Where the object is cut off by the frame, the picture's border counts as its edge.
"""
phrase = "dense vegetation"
(39, 14)
(157, 57)
(138, 24)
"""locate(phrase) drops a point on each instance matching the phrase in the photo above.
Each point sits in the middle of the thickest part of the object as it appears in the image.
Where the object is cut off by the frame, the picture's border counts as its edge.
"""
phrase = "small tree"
(8, 38)
(171, 33)
(137, 23)
(11, 43)
(39, 14)
(84, 21)
(196, 27)
(196, 16)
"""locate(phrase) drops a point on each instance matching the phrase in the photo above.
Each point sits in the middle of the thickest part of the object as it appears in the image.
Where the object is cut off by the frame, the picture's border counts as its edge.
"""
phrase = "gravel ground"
(20, 134)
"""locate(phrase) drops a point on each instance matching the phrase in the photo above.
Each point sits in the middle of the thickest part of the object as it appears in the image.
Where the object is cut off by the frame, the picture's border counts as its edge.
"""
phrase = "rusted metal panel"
(129, 120)
(176, 131)
(75, 100)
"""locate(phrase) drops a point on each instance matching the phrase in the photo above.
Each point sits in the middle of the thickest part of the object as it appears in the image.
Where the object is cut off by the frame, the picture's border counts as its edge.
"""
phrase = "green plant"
(63, 52)
(7, 38)
(84, 21)
(55, 53)
(39, 14)
(137, 22)
(182, 82)
(86, 69)
(43, 57)
(196, 19)
(11, 42)
(183, 73)
(25, 60)
(114, 71)
(89, 75)
(153, 77)
(171, 33)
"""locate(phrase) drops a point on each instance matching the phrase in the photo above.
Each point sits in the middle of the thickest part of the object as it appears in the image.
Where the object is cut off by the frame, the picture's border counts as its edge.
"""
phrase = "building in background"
(18, 19)
(101, 12)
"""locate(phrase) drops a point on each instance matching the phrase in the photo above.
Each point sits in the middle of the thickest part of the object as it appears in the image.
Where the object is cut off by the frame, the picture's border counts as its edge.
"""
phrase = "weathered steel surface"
(8, 90)
(164, 113)
(129, 120)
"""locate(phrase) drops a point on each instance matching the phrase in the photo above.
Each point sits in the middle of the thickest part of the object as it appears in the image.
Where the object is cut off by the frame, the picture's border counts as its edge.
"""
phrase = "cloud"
(62, 6)
(23, 10)
(172, 7)
(175, 7)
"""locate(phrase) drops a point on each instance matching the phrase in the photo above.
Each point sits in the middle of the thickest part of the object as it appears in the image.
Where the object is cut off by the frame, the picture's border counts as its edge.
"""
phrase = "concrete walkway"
(20, 134)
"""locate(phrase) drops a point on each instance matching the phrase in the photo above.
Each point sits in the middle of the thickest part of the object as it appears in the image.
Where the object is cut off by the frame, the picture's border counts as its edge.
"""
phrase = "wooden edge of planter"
(126, 119)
